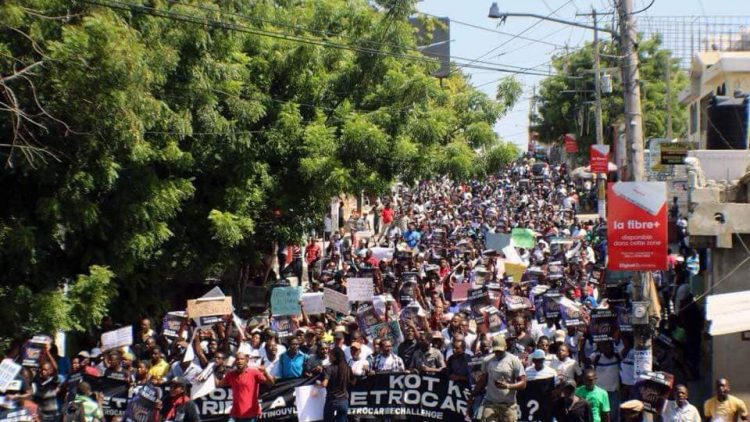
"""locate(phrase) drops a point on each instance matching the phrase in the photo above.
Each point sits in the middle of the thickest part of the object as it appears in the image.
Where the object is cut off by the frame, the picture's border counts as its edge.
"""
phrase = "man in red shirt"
(312, 253)
(244, 382)
(386, 219)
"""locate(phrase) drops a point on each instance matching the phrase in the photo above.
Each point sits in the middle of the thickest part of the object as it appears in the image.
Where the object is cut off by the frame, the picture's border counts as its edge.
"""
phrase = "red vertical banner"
(599, 158)
(637, 226)
(570, 142)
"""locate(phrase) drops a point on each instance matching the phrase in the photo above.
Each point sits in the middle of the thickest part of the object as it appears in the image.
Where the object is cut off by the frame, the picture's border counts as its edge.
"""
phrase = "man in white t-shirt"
(539, 370)
(607, 365)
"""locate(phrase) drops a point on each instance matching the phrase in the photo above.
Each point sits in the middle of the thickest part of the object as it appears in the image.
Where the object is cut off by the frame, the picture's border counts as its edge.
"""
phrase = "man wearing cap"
(178, 406)
(539, 370)
(569, 407)
(502, 375)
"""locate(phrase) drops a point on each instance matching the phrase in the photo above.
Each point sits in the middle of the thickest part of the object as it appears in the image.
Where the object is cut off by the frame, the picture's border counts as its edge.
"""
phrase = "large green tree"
(152, 143)
(566, 99)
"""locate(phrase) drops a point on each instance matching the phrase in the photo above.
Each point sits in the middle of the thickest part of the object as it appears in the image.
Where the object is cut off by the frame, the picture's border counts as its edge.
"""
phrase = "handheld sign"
(313, 304)
(285, 301)
(197, 308)
(117, 338)
(360, 289)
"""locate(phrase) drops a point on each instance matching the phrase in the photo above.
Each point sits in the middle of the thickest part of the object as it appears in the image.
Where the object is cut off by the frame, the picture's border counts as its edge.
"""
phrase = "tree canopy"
(566, 99)
(152, 144)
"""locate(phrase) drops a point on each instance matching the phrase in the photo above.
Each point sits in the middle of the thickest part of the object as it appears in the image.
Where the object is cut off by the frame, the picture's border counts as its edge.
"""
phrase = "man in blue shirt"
(412, 236)
(293, 361)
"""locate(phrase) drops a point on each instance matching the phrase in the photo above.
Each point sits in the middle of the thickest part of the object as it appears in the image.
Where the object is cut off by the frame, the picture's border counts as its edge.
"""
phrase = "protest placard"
(523, 238)
(551, 300)
(285, 301)
(313, 304)
(310, 401)
(653, 388)
(496, 241)
(8, 372)
(210, 306)
(367, 316)
(388, 330)
(603, 324)
(360, 289)
(172, 323)
(382, 253)
(336, 301)
(514, 270)
(117, 338)
(32, 350)
(141, 407)
(460, 292)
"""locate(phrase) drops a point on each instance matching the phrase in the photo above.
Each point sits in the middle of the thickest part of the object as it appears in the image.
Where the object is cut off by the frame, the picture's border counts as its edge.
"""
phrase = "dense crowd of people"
(459, 313)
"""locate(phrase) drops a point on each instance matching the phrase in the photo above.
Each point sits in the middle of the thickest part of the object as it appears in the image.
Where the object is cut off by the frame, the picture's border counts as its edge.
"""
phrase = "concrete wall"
(731, 355)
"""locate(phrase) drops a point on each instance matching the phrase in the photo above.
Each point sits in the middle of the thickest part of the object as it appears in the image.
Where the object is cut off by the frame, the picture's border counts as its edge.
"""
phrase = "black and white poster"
(535, 401)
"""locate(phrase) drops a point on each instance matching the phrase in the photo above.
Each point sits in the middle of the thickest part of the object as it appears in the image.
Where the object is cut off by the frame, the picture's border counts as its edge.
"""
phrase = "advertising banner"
(599, 158)
(674, 153)
(637, 226)
(570, 142)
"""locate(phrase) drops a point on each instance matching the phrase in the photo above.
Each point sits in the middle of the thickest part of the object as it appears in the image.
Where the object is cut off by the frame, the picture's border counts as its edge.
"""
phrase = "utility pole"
(601, 179)
(668, 81)
(632, 90)
(634, 136)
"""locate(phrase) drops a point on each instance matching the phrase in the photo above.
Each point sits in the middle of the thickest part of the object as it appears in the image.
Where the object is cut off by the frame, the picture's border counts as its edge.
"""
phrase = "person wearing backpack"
(606, 362)
(84, 408)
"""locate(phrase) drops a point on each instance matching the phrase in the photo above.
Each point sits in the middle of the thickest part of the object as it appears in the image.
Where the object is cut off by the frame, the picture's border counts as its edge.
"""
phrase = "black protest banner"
(141, 407)
(428, 397)
(278, 401)
(603, 324)
(551, 301)
(115, 392)
(535, 402)
(172, 323)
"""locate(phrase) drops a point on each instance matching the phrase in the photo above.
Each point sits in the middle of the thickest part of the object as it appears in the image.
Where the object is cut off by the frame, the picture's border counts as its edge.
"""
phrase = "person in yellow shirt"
(159, 366)
(724, 407)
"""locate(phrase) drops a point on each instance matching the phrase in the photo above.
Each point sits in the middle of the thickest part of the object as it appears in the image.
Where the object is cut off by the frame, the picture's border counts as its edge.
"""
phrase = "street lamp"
(495, 13)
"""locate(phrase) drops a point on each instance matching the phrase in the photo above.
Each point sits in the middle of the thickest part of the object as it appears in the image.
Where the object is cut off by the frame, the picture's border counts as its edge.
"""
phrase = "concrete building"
(719, 220)
(713, 73)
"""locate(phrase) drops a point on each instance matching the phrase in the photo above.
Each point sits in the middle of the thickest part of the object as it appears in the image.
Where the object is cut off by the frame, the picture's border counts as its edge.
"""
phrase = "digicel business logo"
(634, 224)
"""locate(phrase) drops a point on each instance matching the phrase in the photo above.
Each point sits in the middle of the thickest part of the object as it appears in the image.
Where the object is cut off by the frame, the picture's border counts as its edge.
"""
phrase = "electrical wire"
(217, 24)
(645, 8)
(517, 35)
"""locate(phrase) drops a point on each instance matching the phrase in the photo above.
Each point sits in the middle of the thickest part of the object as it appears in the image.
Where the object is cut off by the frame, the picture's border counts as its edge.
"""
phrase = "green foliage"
(165, 152)
(566, 99)
(499, 156)
(83, 306)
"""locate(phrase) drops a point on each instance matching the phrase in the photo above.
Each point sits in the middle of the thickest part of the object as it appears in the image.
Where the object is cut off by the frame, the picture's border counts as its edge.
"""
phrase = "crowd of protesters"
(433, 235)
